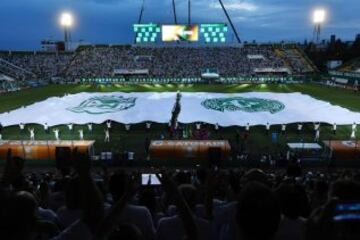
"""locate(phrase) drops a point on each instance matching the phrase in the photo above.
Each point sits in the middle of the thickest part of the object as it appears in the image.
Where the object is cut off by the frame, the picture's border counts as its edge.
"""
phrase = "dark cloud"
(24, 23)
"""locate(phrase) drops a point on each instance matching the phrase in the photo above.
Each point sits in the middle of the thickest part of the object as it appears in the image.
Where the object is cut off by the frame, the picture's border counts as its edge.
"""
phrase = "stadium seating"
(163, 64)
(38, 64)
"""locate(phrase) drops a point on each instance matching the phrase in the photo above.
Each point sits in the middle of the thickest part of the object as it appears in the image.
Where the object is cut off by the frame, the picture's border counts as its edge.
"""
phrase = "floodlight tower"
(229, 20)
(66, 21)
(319, 16)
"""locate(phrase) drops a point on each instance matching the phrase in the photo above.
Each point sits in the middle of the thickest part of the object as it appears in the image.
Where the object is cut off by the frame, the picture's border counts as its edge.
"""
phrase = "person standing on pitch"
(198, 126)
(216, 127)
(127, 127)
(267, 128)
(46, 128)
(334, 128)
(108, 124)
(247, 127)
(353, 131)
(22, 127)
(283, 129)
(90, 127)
(299, 128)
(1, 128)
(71, 127)
(317, 135)
(148, 126)
(316, 126)
(56, 132)
(32, 134)
(107, 135)
(81, 134)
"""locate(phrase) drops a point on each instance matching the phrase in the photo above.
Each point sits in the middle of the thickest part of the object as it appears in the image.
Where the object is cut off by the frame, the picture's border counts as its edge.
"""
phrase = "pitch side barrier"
(193, 80)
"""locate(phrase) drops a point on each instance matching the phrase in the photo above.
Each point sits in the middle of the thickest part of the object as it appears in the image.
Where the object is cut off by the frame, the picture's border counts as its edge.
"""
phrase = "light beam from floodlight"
(66, 21)
(319, 16)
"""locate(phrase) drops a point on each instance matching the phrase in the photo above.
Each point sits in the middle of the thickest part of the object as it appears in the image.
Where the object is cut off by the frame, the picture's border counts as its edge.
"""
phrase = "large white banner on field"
(95, 108)
(259, 108)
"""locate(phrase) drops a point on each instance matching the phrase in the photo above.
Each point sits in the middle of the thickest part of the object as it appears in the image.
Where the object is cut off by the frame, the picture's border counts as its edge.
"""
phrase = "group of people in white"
(198, 125)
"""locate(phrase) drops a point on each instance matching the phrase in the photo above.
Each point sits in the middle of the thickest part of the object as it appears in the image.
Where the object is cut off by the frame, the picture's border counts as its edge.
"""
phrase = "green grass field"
(257, 143)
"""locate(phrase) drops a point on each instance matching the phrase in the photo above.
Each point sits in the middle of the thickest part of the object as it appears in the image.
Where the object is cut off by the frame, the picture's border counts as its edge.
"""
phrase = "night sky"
(24, 23)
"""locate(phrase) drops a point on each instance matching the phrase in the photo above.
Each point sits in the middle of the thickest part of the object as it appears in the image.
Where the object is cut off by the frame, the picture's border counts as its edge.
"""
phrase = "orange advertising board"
(188, 149)
(41, 150)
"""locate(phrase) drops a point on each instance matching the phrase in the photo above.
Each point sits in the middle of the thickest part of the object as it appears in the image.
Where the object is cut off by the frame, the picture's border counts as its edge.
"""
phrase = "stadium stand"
(41, 65)
(155, 62)
(8, 84)
(295, 59)
(351, 66)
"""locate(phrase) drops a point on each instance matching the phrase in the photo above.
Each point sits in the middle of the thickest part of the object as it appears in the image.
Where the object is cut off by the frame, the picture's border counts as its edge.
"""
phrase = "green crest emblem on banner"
(104, 104)
(233, 104)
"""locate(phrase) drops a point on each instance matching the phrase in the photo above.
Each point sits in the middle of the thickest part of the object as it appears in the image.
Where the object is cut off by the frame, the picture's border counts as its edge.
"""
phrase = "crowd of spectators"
(199, 203)
(160, 61)
(172, 61)
(40, 65)
(297, 63)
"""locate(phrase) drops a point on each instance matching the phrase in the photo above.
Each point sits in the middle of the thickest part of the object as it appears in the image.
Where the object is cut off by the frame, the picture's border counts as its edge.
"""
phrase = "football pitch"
(134, 140)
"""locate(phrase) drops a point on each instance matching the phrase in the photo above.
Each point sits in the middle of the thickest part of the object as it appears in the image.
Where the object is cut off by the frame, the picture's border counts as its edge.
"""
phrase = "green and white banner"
(95, 108)
(255, 108)
(260, 108)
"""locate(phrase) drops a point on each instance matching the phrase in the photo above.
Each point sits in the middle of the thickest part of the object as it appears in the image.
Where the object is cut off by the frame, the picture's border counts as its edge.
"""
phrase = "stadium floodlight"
(319, 16)
(66, 21)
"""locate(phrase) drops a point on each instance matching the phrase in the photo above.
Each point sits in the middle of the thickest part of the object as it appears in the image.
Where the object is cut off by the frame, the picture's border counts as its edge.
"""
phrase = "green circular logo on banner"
(233, 104)
(104, 104)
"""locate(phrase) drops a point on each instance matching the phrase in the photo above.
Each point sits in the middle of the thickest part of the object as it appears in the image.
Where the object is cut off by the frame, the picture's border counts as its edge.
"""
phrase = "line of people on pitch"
(300, 129)
(70, 126)
(56, 131)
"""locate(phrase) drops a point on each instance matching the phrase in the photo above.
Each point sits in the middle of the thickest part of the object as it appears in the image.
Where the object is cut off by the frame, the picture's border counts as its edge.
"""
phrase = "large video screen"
(171, 33)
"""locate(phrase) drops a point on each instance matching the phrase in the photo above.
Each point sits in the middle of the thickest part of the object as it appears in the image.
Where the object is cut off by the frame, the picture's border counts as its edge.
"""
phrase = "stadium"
(184, 132)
